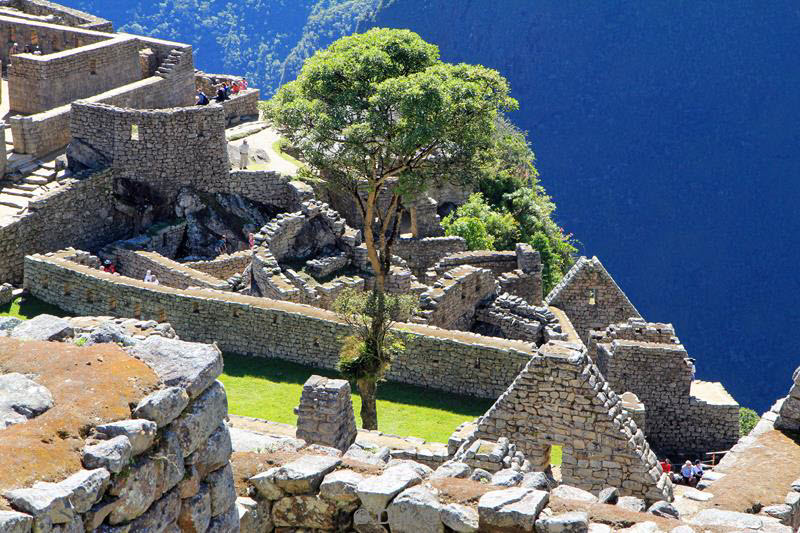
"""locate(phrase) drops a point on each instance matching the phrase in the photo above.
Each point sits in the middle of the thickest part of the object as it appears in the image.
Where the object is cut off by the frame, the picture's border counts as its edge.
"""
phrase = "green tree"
(747, 421)
(366, 355)
(378, 112)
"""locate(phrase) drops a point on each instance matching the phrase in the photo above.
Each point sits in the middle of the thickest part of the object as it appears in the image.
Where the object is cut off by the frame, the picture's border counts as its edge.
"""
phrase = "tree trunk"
(368, 388)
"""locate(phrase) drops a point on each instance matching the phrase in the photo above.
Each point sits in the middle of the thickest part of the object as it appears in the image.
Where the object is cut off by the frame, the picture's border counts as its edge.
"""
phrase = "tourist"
(244, 154)
(227, 86)
(221, 94)
(149, 277)
(244, 83)
(698, 470)
(666, 466)
(14, 50)
(235, 88)
(108, 266)
(687, 473)
(202, 99)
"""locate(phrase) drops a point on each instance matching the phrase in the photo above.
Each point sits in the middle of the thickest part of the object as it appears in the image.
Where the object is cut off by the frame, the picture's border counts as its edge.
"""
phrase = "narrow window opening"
(67, 290)
(134, 132)
(195, 308)
(112, 304)
(162, 315)
(164, 240)
(93, 66)
(137, 311)
(89, 297)
(592, 296)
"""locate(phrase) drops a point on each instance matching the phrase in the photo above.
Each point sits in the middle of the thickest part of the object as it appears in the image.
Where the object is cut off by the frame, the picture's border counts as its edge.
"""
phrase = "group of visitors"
(688, 473)
(224, 91)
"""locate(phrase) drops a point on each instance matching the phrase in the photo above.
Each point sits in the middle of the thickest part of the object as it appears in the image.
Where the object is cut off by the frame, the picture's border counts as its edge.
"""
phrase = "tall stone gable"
(591, 298)
(561, 398)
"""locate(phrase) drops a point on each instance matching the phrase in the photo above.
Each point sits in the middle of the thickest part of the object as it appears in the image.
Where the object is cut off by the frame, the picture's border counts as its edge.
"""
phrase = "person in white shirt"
(244, 154)
(687, 472)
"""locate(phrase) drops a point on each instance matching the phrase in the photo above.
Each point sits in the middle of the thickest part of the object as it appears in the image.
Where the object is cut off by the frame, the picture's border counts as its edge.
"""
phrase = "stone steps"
(14, 191)
(13, 201)
(36, 180)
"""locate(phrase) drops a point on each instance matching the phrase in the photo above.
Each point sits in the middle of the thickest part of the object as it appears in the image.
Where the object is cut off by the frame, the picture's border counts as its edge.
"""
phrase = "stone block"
(509, 508)
(140, 433)
(162, 406)
(460, 518)
(221, 490)
(414, 510)
(46, 502)
(43, 328)
(14, 522)
(340, 487)
(201, 418)
(304, 512)
(195, 514)
(376, 492)
(573, 522)
(567, 492)
(227, 522)
(304, 475)
(214, 453)
(113, 454)
(86, 488)
(21, 398)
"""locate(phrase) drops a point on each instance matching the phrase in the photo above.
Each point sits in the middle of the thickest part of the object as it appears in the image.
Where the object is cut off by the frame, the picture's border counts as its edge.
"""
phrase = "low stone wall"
(453, 361)
(453, 299)
(167, 466)
(224, 266)
(264, 186)
(325, 414)
(241, 106)
(789, 410)
(65, 15)
(498, 262)
(136, 263)
(80, 214)
(422, 254)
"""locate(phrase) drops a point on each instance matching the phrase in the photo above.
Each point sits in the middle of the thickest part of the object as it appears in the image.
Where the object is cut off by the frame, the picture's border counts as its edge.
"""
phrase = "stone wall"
(49, 37)
(634, 329)
(325, 414)
(224, 266)
(40, 82)
(65, 15)
(79, 214)
(561, 398)
(453, 361)
(136, 263)
(242, 106)
(422, 254)
(678, 424)
(453, 299)
(167, 465)
(789, 409)
(133, 142)
(591, 298)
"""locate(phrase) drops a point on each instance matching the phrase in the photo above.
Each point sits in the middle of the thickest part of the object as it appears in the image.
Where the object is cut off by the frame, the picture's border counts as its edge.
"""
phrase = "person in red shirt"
(666, 466)
(108, 266)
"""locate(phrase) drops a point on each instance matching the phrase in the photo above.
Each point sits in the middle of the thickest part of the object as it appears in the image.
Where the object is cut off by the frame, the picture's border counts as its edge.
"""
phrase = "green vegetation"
(747, 421)
(26, 307)
(271, 388)
(511, 206)
(379, 111)
(278, 146)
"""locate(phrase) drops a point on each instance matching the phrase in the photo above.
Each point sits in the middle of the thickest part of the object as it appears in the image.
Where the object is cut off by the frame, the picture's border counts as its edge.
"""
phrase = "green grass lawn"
(271, 388)
(28, 307)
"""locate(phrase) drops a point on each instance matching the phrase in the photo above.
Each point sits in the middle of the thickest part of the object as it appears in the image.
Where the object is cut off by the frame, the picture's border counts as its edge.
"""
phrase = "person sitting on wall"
(244, 84)
(202, 99)
(221, 94)
(236, 87)
(687, 473)
(666, 466)
(108, 266)
(149, 277)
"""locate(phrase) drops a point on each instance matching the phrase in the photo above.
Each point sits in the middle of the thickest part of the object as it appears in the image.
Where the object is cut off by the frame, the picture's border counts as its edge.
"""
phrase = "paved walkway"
(264, 139)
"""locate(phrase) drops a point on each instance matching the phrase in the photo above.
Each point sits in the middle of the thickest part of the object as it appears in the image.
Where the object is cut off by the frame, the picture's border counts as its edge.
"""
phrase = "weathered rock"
(574, 522)
(515, 507)
(642, 527)
(538, 481)
(796, 485)
(108, 332)
(460, 518)
(6, 294)
(161, 514)
(46, 502)
(359, 454)
(190, 365)
(98, 513)
(723, 518)
(609, 495)
(85, 488)
(140, 432)
(340, 487)
(214, 453)
(113, 454)
(75, 525)
(82, 156)
(452, 469)
(506, 478)
(162, 406)
(227, 522)
(780, 511)
(170, 455)
(264, 483)
(319, 449)
(201, 418)
(420, 469)
(21, 398)
(681, 529)
(254, 517)
(195, 514)
(376, 492)
(567, 492)
(595, 527)
(481, 475)
(632, 503)
(415, 510)
(304, 474)
(664, 509)
(250, 441)
(697, 495)
(14, 522)
(190, 484)
(304, 512)
(221, 489)
(43, 328)
(9, 322)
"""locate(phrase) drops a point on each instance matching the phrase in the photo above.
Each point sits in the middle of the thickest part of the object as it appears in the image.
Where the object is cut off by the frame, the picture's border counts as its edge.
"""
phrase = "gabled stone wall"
(561, 398)
(452, 301)
(591, 298)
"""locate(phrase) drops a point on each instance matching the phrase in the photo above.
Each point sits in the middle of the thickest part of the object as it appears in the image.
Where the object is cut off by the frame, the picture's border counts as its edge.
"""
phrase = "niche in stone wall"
(93, 67)
(592, 296)
(134, 132)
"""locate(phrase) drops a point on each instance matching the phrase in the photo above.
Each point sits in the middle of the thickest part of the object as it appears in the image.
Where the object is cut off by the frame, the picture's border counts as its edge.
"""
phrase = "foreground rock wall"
(453, 361)
(165, 468)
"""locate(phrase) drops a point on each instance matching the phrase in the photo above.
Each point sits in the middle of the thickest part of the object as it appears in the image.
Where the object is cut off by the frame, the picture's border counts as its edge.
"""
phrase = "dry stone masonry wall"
(453, 299)
(325, 414)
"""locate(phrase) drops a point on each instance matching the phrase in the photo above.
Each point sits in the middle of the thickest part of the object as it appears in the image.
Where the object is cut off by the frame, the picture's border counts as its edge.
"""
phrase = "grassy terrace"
(28, 307)
(271, 388)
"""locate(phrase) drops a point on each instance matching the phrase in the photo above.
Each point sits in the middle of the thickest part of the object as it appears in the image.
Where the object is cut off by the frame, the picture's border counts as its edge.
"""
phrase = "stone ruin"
(325, 414)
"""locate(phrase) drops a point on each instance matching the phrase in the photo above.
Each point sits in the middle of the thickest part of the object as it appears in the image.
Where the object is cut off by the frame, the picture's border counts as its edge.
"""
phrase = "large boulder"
(720, 518)
(340, 487)
(43, 328)
(567, 492)
(304, 512)
(201, 418)
(304, 475)
(574, 522)
(509, 508)
(162, 406)
(460, 518)
(21, 398)
(140, 432)
(415, 510)
(113, 454)
(376, 492)
(14, 522)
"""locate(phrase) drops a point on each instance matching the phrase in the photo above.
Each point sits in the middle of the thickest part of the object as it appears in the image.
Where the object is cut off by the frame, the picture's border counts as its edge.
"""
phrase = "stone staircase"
(173, 60)
(36, 176)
